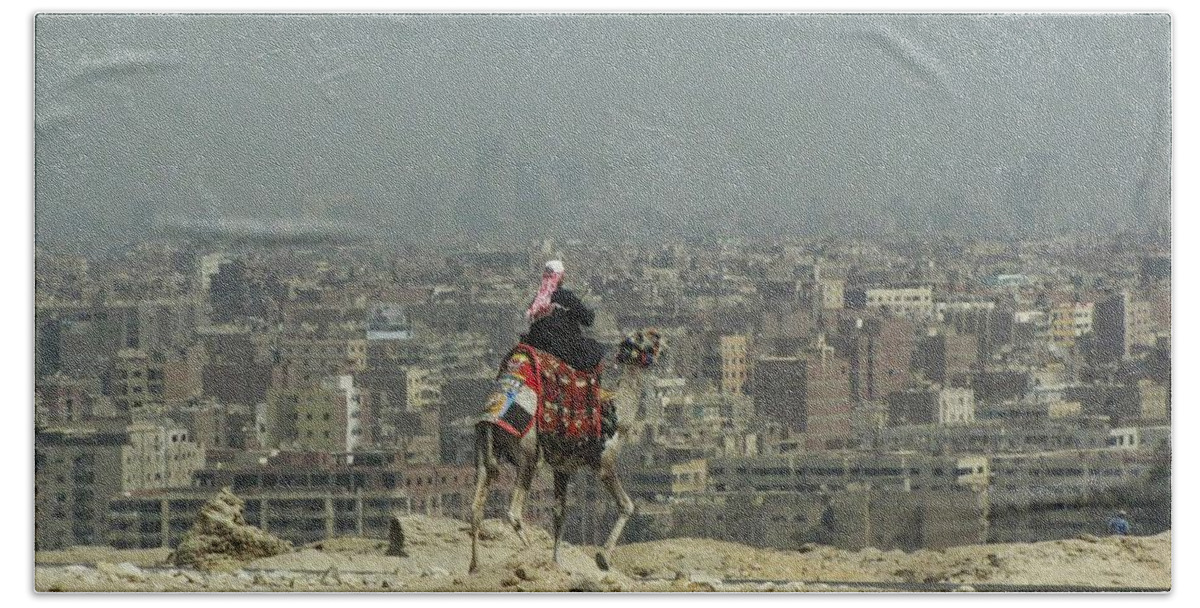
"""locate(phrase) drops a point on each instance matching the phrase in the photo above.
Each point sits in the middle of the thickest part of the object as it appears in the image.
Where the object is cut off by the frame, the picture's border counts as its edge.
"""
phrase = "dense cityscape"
(895, 393)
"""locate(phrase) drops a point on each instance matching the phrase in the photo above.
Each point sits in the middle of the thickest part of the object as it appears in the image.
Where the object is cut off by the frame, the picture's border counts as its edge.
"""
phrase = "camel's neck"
(628, 388)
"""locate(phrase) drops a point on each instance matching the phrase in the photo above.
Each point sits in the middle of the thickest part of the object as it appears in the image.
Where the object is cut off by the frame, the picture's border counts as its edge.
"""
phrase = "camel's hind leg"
(485, 471)
(560, 508)
(608, 476)
(525, 473)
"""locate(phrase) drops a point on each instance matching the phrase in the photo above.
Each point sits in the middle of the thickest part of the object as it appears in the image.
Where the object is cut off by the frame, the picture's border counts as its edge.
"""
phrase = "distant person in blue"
(1118, 524)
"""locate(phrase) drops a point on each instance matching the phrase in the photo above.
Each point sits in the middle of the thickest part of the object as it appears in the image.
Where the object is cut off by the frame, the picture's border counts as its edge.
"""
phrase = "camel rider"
(557, 317)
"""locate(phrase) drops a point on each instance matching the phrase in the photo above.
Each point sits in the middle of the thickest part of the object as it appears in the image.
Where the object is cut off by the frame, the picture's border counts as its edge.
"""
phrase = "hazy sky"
(517, 126)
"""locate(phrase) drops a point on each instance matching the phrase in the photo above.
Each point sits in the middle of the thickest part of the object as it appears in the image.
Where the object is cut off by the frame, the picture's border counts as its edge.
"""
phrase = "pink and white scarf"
(552, 276)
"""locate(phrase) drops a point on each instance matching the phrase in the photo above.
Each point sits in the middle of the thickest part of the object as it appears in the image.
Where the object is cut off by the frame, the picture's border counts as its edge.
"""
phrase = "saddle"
(566, 404)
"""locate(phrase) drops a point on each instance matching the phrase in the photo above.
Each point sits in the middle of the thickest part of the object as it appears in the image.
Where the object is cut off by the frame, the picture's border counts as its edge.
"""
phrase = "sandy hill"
(439, 551)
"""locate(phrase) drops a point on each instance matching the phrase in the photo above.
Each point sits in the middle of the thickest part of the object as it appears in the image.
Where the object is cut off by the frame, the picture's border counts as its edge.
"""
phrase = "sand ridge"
(439, 552)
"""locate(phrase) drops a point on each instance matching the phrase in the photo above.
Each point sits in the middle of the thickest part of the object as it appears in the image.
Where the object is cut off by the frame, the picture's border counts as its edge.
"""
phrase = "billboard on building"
(388, 322)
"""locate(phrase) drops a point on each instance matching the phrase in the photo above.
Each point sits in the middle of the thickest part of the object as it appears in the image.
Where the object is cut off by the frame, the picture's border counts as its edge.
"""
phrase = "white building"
(956, 406)
(911, 302)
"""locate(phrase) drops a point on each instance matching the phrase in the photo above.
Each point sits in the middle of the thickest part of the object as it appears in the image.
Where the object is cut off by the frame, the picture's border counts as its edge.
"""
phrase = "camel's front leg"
(608, 476)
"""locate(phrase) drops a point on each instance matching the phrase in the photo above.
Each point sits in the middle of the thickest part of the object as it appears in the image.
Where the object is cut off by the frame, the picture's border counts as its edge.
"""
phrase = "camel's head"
(640, 348)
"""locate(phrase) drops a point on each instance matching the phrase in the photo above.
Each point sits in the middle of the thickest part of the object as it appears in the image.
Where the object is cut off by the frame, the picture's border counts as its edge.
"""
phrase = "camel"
(493, 444)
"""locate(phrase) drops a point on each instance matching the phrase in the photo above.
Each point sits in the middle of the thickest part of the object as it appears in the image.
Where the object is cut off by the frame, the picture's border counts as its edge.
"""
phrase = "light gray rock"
(123, 571)
(705, 578)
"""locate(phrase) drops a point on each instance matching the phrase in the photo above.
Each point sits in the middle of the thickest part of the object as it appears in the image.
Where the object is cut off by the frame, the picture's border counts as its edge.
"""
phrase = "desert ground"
(439, 550)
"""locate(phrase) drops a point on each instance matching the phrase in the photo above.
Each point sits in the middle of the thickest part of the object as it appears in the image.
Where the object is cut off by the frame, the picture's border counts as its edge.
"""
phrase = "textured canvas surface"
(886, 301)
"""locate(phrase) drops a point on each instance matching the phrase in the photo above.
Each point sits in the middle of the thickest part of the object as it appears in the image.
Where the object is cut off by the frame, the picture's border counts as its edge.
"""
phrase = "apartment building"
(828, 471)
(912, 302)
(1122, 324)
(78, 468)
(302, 498)
(144, 383)
(1065, 477)
(735, 363)
(332, 416)
(1069, 322)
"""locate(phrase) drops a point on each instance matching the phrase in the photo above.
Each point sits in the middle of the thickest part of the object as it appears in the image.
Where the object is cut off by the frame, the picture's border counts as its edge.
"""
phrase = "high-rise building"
(779, 389)
(946, 358)
(144, 384)
(1121, 324)
(331, 416)
(809, 393)
(879, 351)
(828, 401)
(734, 363)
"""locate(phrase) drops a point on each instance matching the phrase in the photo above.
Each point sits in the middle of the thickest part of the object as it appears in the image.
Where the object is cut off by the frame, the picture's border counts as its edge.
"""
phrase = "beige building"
(326, 417)
(160, 456)
(956, 406)
(78, 468)
(831, 293)
(1065, 409)
(144, 384)
(308, 359)
(1069, 322)
(423, 389)
(1153, 400)
(734, 363)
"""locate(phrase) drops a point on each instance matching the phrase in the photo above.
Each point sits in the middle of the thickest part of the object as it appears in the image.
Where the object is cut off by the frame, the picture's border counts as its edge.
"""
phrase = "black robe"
(560, 333)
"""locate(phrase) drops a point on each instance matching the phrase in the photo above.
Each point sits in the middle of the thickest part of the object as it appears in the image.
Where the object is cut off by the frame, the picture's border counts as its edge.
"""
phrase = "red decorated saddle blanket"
(535, 386)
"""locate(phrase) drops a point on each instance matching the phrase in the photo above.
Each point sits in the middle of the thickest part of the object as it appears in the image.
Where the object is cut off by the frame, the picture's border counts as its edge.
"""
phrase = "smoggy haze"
(438, 126)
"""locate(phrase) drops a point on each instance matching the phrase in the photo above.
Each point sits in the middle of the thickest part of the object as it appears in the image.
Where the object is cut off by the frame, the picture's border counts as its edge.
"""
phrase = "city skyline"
(909, 279)
(1001, 361)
